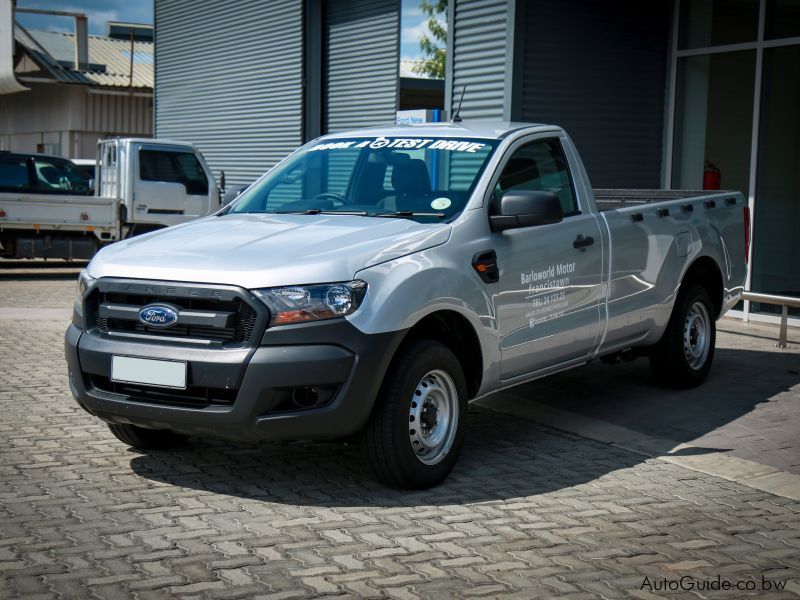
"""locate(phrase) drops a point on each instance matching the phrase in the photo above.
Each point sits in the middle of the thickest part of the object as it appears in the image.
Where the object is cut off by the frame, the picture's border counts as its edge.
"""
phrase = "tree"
(434, 48)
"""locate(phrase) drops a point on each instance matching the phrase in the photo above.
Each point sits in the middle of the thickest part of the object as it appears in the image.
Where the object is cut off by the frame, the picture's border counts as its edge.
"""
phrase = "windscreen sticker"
(402, 143)
(441, 203)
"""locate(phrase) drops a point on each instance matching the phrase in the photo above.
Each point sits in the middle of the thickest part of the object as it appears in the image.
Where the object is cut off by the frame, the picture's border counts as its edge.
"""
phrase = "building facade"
(692, 94)
(57, 103)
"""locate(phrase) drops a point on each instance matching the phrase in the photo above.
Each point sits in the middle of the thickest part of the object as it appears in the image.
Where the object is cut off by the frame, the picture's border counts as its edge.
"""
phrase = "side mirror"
(526, 208)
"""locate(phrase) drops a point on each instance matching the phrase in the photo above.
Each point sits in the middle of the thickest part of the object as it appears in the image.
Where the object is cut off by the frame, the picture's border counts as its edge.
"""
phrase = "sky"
(412, 21)
(413, 24)
(98, 12)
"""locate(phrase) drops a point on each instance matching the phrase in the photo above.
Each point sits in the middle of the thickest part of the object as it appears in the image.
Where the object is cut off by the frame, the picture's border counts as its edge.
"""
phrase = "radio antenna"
(457, 116)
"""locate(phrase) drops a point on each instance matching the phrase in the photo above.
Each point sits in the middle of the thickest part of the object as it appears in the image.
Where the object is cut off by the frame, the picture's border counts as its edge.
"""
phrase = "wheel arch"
(705, 271)
(455, 331)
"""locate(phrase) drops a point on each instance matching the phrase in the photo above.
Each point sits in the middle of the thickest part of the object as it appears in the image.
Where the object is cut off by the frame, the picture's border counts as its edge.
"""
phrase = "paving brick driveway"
(528, 512)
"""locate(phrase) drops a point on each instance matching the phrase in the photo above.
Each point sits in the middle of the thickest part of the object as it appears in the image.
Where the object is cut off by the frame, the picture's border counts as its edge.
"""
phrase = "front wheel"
(683, 356)
(416, 429)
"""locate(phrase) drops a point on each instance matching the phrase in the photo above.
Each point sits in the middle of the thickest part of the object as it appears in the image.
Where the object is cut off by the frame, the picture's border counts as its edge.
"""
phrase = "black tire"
(389, 440)
(678, 360)
(146, 439)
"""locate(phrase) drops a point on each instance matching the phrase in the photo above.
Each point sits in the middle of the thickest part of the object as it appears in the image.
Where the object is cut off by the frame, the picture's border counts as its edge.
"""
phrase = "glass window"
(539, 166)
(13, 173)
(60, 176)
(175, 167)
(430, 176)
(776, 243)
(716, 22)
(713, 121)
(783, 19)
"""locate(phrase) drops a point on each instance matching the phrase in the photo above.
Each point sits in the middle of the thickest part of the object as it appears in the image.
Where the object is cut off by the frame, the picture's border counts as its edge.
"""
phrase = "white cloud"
(98, 18)
(411, 35)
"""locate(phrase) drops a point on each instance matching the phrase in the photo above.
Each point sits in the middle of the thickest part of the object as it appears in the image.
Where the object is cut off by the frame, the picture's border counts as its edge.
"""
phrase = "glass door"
(735, 125)
(776, 239)
(713, 121)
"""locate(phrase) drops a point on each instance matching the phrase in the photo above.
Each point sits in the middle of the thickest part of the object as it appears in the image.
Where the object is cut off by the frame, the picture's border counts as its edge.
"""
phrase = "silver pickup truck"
(375, 281)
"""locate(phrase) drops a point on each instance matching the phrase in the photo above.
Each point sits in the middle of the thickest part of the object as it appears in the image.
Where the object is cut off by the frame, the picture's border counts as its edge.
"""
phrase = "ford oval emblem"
(158, 315)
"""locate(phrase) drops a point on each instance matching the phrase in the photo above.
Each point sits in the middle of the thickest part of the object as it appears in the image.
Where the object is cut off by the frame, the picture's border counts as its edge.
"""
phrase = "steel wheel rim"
(697, 335)
(433, 417)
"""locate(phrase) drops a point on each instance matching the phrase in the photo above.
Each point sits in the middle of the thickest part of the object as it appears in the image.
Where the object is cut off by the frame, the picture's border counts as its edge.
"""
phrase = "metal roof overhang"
(8, 82)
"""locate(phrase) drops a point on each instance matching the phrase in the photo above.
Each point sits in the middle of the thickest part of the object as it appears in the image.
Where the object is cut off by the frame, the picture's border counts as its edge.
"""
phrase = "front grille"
(192, 396)
(221, 317)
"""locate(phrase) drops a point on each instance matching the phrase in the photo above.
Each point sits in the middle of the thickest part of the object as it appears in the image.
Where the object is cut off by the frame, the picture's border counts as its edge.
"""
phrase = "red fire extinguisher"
(712, 176)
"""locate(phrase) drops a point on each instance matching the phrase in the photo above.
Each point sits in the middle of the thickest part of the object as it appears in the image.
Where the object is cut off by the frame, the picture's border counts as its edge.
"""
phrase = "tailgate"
(67, 212)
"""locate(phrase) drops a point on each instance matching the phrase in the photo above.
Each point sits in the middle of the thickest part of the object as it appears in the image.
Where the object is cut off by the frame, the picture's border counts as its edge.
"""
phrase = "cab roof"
(493, 130)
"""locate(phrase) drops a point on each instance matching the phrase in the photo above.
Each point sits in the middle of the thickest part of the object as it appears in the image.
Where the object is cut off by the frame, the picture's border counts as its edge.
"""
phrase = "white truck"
(375, 281)
(49, 209)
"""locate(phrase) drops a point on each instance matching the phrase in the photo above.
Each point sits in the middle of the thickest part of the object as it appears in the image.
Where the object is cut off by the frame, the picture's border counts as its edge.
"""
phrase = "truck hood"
(266, 250)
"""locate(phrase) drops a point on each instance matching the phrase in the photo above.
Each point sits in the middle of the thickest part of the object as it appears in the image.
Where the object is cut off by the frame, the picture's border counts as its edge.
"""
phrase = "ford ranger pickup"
(375, 281)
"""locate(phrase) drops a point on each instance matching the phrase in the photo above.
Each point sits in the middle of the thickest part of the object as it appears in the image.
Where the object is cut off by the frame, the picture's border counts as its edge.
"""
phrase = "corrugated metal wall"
(478, 50)
(599, 70)
(361, 62)
(229, 78)
(123, 113)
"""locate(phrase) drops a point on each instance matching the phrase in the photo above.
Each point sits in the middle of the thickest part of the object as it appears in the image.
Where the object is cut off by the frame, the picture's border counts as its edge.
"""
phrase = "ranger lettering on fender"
(376, 281)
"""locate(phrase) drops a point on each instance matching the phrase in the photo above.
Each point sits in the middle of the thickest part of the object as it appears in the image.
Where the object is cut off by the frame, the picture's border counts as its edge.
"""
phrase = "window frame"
(522, 142)
(176, 164)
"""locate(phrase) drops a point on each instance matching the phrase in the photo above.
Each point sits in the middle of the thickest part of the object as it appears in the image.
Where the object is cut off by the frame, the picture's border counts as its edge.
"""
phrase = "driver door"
(548, 309)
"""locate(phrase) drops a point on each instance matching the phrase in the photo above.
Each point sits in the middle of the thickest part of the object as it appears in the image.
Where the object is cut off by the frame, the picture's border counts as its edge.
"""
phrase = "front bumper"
(331, 355)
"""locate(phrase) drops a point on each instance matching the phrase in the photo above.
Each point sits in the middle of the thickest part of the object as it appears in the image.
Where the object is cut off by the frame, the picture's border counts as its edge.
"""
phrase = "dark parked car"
(42, 174)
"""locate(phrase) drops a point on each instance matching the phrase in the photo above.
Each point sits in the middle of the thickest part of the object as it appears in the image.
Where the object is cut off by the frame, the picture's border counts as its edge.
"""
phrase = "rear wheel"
(146, 439)
(416, 429)
(683, 356)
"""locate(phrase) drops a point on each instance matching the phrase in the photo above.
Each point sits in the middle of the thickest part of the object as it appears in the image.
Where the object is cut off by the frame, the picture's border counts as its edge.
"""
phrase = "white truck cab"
(140, 185)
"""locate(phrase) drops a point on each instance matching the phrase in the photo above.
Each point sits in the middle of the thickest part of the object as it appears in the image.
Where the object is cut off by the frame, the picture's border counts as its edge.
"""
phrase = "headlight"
(299, 304)
(84, 283)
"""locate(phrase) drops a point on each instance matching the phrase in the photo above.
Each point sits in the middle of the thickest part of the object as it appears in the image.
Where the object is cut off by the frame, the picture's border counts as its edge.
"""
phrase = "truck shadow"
(504, 456)
(626, 395)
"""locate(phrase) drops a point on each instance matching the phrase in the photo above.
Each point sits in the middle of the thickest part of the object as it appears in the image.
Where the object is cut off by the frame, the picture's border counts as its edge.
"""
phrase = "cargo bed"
(609, 199)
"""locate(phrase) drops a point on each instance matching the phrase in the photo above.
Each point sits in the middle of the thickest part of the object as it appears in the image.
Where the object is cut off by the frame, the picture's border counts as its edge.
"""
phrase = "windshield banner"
(452, 145)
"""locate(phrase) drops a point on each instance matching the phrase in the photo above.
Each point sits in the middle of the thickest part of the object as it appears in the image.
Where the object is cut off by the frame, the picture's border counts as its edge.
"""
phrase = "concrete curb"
(744, 472)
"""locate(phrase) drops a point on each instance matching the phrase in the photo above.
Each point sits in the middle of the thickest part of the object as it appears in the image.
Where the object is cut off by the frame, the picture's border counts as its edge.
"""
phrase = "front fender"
(402, 292)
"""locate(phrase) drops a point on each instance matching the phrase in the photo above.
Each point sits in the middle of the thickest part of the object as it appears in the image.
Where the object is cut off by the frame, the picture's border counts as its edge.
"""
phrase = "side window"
(60, 176)
(539, 166)
(13, 173)
(175, 167)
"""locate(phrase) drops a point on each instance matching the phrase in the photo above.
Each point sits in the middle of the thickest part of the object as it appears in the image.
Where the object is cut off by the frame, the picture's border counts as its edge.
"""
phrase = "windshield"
(425, 179)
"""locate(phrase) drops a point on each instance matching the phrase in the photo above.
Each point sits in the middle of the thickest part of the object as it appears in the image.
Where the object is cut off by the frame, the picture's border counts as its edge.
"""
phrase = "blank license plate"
(164, 373)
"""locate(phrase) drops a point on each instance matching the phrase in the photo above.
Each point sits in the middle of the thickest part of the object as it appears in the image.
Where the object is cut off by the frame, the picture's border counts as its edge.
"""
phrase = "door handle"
(581, 242)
